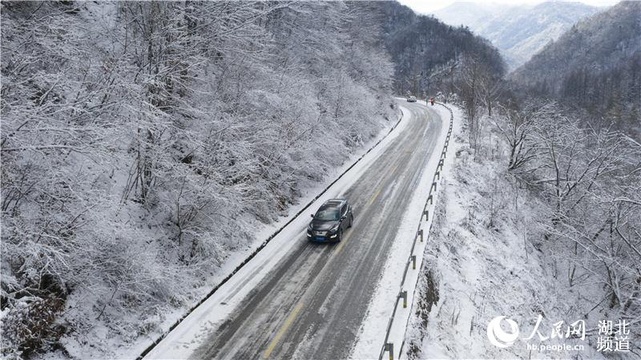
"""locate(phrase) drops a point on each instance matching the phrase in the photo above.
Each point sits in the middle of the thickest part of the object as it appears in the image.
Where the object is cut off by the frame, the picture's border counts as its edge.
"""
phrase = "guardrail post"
(427, 214)
(389, 347)
(438, 175)
(420, 234)
(413, 257)
(403, 294)
(433, 186)
(430, 199)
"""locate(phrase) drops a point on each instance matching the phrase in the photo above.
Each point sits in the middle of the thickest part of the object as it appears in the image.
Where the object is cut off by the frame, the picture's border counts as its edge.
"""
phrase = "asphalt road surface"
(312, 304)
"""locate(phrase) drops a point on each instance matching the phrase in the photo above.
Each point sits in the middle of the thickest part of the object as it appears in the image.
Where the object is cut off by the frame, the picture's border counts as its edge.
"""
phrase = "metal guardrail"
(420, 234)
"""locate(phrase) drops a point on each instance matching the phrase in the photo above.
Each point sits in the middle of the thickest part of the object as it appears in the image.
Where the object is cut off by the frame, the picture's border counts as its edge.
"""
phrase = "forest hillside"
(429, 55)
(143, 142)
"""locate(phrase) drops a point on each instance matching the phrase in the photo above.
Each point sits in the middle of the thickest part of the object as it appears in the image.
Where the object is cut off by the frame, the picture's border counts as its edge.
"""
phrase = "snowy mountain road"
(312, 303)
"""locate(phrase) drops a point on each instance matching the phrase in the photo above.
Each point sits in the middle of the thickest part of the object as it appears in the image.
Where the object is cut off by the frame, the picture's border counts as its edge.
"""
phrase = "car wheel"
(340, 235)
(351, 220)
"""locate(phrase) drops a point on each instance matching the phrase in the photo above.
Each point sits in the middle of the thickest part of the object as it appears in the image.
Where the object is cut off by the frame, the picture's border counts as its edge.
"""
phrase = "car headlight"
(309, 227)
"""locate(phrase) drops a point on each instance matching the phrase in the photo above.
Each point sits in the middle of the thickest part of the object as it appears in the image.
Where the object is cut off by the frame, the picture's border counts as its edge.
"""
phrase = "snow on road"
(185, 338)
(373, 330)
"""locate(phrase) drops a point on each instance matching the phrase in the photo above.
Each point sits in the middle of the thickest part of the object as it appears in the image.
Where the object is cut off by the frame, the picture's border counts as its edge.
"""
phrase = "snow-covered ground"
(483, 264)
(181, 342)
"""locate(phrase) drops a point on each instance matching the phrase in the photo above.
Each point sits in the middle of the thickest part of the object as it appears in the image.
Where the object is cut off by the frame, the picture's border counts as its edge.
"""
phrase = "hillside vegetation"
(540, 219)
(429, 55)
(542, 211)
(142, 142)
(595, 66)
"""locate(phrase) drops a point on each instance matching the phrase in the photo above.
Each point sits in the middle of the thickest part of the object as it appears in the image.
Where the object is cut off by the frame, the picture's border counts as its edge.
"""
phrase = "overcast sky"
(427, 6)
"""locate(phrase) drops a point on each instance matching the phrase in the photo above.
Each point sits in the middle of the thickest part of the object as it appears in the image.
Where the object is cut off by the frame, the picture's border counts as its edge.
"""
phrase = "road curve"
(312, 304)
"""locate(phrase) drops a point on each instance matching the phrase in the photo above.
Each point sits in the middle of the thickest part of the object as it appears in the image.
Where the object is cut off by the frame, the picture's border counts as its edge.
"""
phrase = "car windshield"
(327, 215)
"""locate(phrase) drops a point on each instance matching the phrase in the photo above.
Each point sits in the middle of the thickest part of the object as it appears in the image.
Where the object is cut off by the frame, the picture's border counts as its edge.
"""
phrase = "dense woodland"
(142, 142)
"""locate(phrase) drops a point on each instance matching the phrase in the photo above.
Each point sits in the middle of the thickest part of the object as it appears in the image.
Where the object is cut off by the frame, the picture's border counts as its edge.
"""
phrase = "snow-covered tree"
(143, 141)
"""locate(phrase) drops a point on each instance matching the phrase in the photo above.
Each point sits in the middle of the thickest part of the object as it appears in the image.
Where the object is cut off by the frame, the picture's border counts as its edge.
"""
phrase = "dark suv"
(329, 222)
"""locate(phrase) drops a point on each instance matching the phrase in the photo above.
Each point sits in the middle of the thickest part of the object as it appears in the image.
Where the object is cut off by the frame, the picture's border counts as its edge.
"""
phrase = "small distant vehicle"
(330, 221)
(411, 99)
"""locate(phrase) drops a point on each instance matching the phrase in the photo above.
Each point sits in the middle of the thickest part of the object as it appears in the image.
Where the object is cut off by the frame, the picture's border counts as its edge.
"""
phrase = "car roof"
(333, 203)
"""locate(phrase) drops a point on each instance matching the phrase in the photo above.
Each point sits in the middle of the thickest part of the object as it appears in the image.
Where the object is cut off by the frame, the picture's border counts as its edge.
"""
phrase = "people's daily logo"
(499, 337)
(614, 336)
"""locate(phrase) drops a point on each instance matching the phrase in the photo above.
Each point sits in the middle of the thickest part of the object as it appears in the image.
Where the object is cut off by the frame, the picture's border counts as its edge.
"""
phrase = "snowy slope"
(140, 154)
(482, 263)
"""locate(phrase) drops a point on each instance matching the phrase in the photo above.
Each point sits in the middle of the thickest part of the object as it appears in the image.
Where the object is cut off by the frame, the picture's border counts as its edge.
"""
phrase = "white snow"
(371, 336)
(184, 339)
(482, 272)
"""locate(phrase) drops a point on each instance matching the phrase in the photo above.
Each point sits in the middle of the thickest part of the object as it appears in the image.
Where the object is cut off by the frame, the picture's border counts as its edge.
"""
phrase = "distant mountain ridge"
(595, 65)
(518, 32)
(612, 37)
